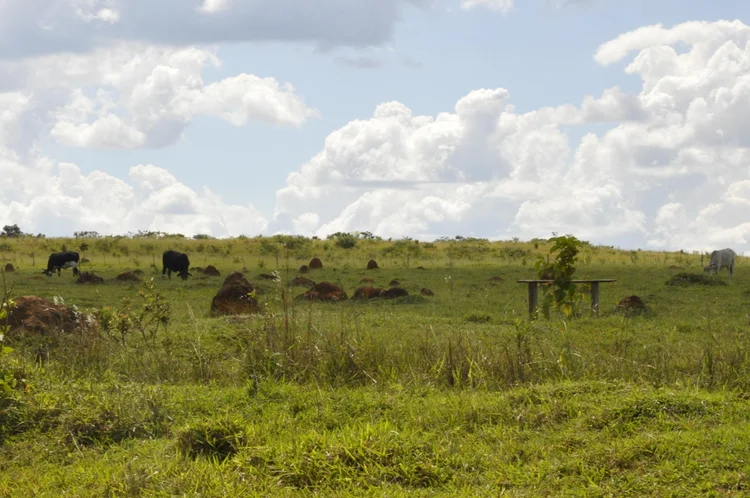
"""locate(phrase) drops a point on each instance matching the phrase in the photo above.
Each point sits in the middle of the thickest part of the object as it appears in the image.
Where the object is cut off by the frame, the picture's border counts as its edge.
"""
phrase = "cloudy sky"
(624, 123)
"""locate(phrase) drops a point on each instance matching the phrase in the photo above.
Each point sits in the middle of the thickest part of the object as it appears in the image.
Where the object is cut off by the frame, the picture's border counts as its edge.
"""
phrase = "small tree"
(562, 294)
(12, 231)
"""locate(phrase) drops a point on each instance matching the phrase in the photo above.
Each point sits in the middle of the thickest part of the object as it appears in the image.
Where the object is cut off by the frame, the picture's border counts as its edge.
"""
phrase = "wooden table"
(534, 291)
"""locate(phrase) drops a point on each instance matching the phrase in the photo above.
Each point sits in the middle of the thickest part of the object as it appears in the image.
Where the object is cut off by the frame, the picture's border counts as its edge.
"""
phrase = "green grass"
(456, 394)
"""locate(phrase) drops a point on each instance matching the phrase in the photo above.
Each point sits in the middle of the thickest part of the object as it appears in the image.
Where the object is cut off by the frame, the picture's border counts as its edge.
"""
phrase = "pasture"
(456, 394)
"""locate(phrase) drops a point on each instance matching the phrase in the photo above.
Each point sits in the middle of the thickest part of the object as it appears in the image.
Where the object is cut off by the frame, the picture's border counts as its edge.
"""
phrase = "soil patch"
(88, 277)
(236, 278)
(234, 299)
(211, 271)
(38, 315)
(325, 291)
(367, 292)
(128, 276)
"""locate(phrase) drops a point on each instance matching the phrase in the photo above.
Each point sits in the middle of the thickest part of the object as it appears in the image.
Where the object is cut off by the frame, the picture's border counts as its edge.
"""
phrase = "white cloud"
(671, 171)
(58, 200)
(498, 5)
(214, 6)
(141, 96)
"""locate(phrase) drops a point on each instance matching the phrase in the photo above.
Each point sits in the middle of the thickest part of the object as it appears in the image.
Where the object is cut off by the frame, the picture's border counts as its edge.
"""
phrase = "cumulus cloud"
(672, 170)
(59, 199)
(138, 96)
(54, 26)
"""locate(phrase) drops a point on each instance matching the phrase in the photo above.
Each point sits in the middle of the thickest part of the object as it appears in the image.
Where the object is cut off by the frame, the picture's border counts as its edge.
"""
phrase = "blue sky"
(426, 58)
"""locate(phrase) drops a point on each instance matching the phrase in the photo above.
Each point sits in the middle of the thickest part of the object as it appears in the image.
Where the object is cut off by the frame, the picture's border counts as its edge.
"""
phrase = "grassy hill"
(452, 394)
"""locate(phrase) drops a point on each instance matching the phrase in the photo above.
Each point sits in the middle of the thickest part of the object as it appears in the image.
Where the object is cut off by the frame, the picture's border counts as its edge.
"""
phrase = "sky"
(623, 123)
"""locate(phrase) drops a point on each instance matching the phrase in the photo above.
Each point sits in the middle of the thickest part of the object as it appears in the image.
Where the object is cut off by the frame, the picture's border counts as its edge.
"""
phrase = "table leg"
(533, 298)
(595, 297)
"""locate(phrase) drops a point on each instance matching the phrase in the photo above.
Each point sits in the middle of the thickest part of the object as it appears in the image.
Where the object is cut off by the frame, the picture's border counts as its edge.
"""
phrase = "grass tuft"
(694, 279)
(215, 439)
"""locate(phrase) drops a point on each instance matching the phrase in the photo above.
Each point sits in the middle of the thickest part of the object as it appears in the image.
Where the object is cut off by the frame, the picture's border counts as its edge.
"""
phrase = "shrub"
(562, 294)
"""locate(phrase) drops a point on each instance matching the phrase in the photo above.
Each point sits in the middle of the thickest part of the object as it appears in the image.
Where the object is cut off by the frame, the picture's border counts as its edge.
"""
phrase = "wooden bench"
(534, 292)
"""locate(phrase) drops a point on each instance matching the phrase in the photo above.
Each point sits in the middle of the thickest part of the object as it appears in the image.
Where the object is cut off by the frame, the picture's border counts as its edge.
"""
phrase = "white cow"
(722, 258)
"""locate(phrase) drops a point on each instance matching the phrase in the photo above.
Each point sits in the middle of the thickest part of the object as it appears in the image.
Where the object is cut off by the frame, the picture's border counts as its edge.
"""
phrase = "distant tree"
(11, 231)
(344, 240)
(86, 234)
(201, 236)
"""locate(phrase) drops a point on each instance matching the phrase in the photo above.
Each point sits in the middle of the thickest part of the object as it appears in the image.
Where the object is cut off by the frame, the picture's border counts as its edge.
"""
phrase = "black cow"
(60, 260)
(173, 261)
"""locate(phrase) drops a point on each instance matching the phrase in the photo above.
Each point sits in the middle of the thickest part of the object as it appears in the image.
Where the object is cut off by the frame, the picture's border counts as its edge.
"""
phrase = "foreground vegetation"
(456, 394)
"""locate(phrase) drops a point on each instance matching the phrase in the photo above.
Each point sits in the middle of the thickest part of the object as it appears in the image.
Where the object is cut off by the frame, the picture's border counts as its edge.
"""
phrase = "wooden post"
(533, 298)
(595, 297)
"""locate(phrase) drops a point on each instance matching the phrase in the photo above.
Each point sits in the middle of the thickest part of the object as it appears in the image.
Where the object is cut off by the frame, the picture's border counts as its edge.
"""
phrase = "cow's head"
(47, 272)
(184, 275)
(76, 271)
(708, 269)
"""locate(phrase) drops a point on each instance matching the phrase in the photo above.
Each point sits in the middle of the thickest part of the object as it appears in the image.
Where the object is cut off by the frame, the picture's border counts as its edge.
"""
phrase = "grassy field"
(453, 395)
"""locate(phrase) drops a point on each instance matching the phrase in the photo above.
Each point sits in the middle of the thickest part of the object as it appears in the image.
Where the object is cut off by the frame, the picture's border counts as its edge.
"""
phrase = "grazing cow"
(722, 258)
(173, 261)
(59, 260)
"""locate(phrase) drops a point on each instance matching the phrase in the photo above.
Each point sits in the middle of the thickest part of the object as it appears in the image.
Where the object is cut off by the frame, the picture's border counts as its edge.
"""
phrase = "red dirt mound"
(675, 267)
(88, 277)
(372, 265)
(9, 268)
(236, 278)
(325, 291)
(366, 281)
(426, 292)
(394, 283)
(36, 314)
(367, 292)
(421, 268)
(234, 299)
(496, 279)
(211, 271)
(631, 303)
(128, 276)
(315, 264)
(304, 269)
(394, 292)
(301, 282)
